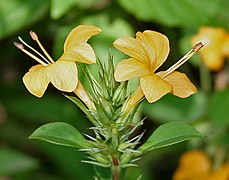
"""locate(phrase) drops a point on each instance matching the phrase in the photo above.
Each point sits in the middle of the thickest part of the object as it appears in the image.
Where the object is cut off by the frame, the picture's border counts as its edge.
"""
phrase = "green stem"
(205, 78)
(115, 169)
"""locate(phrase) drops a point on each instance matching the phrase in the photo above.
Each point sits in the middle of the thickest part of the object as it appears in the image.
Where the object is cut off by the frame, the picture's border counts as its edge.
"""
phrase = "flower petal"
(63, 75)
(156, 45)
(79, 53)
(36, 80)
(80, 34)
(130, 68)
(212, 53)
(154, 87)
(182, 86)
(132, 48)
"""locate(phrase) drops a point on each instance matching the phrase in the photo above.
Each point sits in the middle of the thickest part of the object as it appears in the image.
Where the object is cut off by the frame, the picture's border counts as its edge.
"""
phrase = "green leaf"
(172, 108)
(169, 134)
(15, 14)
(174, 13)
(103, 173)
(60, 133)
(14, 162)
(219, 108)
(60, 7)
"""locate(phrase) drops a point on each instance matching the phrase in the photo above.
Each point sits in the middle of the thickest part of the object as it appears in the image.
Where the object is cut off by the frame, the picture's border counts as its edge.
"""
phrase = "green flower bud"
(102, 158)
(125, 158)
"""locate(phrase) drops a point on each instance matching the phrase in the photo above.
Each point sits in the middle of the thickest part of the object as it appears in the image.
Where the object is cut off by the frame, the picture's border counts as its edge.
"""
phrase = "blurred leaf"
(174, 13)
(222, 139)
(12, 162)
(60, 7)
(172, 108)
(169, 134)
(16, 14)
(60, 133)
(49, 108)
(219, 108)
(66, 160)
(103, 173)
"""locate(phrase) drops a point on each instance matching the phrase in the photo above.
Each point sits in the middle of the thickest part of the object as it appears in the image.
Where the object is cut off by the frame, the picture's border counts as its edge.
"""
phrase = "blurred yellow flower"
(216, 42)
(193, 165)
(147, 52)
(62, 73)
(220, 174)
(196, 165)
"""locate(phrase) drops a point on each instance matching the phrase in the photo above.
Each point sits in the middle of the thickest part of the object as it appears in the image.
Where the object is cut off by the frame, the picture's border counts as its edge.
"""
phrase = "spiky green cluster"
(112, 127)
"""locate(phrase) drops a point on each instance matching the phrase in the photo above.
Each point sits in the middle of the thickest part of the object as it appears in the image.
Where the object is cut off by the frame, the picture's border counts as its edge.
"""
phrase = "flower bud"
(101, 158)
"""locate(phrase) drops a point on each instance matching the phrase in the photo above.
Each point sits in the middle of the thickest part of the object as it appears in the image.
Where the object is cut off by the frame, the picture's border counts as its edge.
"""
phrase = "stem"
(205, 78)
(115, 169)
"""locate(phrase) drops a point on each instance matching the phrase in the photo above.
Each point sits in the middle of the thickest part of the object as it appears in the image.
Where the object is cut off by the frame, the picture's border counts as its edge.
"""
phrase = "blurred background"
(181, 20)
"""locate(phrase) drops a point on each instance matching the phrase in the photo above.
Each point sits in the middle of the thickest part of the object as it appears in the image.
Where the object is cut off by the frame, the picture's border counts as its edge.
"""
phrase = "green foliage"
(13, 162)
(14, 14)
(172, 108)
(60, 133)
(219, 108)
(168, 134)
(60, 8)
(174, 13)
(103, 173)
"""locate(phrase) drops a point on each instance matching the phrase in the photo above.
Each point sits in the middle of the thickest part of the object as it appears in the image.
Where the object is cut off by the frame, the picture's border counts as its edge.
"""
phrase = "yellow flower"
(221, 173)
(147, 52)
(62, 73)
(216, 42)
(193, 165)
(196, 165)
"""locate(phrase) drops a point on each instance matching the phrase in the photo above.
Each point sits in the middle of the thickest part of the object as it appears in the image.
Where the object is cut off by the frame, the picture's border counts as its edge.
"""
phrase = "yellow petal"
(130, 68)
(182, 86)
(220, 174)
(213, 60)
(80, 34)
(156, 46)
(193, 165)
(79, 53)
(132, 48)
(36, 80)
(154, 87)
(63, 75)
(225, 46)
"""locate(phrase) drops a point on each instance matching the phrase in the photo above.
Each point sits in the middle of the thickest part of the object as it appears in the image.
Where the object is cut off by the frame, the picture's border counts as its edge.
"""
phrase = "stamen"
(21, 47)
(184, 59)
(18, 45)
(35, 38)
(34, 50)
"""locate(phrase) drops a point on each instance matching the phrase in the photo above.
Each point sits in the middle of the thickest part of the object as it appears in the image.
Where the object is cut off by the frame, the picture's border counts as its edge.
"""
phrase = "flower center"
(184, 59)
(46, 60)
